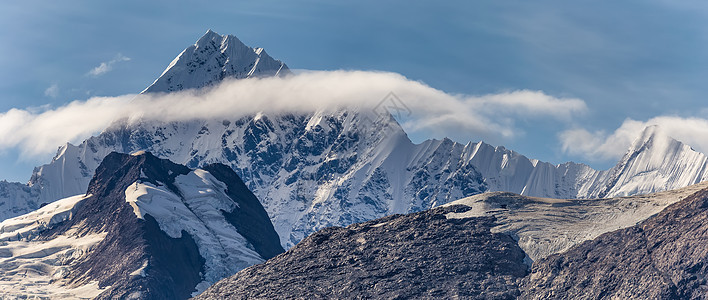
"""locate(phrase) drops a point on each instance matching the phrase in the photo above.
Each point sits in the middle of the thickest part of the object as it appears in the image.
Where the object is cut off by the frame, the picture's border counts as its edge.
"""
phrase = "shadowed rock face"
(421, 255)
(664, 257)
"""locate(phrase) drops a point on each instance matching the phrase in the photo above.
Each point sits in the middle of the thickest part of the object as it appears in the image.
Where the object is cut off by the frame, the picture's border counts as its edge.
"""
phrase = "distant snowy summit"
(212, 59)
(654, 162)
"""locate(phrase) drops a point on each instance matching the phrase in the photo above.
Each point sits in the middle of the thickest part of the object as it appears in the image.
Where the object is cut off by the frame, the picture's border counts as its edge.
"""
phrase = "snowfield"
(33, 268)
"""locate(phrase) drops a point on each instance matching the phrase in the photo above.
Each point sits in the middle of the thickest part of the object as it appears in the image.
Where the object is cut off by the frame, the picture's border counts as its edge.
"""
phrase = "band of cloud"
(40, 132)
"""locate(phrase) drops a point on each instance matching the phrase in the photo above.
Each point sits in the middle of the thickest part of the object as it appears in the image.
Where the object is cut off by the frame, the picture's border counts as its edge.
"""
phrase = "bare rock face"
(664, 257)
(421, 255)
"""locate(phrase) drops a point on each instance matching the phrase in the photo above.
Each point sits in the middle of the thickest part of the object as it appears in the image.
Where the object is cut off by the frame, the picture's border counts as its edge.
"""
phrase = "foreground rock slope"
(466, 251)
(544, 226)
(421, 255)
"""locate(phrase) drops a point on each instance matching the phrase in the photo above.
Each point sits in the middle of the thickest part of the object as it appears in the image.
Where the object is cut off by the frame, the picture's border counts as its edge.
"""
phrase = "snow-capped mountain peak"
(210, 35)
(213, 58)
(655, 162)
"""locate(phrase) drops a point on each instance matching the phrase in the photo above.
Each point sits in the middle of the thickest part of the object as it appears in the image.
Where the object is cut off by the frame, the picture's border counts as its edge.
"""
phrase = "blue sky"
(624, 59)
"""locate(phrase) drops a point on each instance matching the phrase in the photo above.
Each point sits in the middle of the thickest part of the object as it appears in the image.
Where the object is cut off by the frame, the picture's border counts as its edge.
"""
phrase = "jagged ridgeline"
(318, 169)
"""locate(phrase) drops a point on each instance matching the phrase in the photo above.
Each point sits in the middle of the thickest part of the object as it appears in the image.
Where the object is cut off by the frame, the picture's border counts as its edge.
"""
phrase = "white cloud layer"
(40, 131)
(603, 146)
(107, 66)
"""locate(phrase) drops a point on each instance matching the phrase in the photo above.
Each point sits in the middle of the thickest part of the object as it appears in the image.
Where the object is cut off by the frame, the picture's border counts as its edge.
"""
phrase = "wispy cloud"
(604, 146)
(107, 66)
(40, 132)
(52, 91)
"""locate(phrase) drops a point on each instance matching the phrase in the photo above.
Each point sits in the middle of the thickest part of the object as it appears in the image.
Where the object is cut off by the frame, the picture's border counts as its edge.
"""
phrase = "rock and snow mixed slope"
(313, 170)
(147, 228)
(17, 199)
(655, 162)
(322, 169)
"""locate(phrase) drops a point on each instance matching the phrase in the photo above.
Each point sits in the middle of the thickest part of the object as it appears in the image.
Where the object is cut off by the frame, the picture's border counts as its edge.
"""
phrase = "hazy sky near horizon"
(632, 63)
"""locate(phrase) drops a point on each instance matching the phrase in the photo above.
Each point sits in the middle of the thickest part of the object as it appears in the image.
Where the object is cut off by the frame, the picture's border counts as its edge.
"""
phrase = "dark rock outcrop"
(420, 255)
(664, 257)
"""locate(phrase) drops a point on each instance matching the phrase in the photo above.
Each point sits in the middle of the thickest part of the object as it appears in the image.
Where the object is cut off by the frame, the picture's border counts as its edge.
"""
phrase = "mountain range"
(364, 211)
(148, 228)
(326, 168)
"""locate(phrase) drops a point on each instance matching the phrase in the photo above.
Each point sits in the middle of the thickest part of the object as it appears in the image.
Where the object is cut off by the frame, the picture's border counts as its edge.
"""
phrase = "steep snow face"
(655, 162)
(33, 267)
(213, 58)
(197, 210)
(66, 175)
(545, 226)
